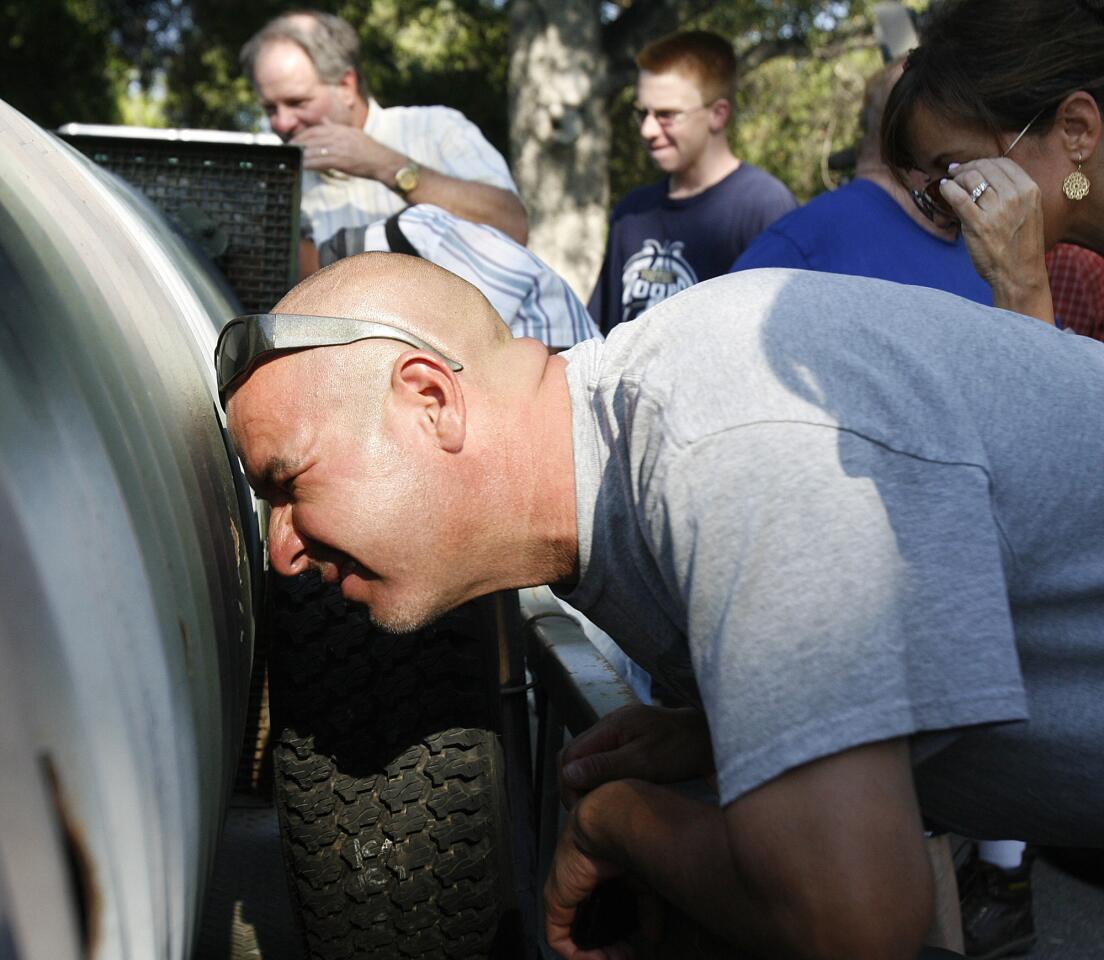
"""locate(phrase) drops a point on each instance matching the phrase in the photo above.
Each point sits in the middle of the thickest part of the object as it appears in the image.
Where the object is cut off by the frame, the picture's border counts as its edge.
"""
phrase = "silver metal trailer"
(126, 620)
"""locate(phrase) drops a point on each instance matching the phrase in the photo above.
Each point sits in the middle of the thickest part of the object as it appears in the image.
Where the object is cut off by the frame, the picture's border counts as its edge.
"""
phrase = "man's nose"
(649, 127)
(285, 546)
(283, 121)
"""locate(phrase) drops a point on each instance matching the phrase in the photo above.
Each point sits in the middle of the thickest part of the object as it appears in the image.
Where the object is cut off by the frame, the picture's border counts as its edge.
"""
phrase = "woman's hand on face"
(1003, 228)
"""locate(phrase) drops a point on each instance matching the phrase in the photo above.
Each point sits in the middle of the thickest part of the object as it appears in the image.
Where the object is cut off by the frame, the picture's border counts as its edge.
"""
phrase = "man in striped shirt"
(363, 162)
(531, 298)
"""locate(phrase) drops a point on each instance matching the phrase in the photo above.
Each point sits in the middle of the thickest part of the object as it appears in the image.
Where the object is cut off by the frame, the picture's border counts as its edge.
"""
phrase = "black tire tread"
(388, 783)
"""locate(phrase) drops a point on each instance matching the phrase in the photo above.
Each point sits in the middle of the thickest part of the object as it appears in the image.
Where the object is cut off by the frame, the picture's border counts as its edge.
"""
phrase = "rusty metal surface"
(126, 605)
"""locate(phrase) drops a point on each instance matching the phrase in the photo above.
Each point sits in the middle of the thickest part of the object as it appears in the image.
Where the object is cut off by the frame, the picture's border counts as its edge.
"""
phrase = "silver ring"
(976, 193)
(325, 153)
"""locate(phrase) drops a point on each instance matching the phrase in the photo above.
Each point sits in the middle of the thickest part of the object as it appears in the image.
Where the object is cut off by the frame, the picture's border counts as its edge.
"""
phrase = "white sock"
(1006, 854)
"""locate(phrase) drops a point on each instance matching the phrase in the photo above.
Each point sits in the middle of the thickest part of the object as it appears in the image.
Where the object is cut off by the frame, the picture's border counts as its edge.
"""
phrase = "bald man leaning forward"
(855, 526)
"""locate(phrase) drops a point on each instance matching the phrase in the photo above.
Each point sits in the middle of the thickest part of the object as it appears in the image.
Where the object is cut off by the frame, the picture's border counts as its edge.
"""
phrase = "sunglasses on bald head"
(246, 341)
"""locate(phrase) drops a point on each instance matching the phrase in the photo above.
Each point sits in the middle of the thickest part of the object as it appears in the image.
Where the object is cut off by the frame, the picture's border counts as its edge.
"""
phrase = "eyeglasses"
(665, 118)
(247, 340)
(930, 199)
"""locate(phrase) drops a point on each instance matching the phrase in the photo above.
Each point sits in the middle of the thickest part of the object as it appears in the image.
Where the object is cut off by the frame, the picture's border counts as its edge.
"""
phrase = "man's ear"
(423, 386)
(720, 112)
(348, 86)
(1079, 123)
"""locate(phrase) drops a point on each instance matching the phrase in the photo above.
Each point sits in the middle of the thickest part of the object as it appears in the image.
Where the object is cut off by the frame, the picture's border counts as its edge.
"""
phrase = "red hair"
(702, 57)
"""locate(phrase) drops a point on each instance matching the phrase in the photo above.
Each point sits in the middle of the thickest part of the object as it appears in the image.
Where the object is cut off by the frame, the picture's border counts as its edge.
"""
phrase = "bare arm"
(308, 259)
(478, 202)
(827, 860)
(353, 152)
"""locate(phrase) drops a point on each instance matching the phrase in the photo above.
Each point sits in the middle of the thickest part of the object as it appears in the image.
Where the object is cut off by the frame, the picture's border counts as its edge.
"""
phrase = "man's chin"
(405, 621)
(666, 159)
(397, 618)
(401, 625)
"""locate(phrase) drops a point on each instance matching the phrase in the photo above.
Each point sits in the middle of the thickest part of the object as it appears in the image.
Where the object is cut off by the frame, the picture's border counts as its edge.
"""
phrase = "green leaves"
(175, 62)
(55, 61)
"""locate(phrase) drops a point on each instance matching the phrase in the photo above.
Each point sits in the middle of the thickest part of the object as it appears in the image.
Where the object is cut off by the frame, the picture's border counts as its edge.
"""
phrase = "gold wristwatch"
(406, 179)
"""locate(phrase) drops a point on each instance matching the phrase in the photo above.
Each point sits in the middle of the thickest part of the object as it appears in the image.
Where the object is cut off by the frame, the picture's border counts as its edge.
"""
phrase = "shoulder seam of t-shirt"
(683, 446)
(829, 735)
(778, 231)
(768, 180)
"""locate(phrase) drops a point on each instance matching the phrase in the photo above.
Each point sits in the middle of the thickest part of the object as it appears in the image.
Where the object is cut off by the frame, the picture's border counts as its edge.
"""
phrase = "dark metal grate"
(240, 202)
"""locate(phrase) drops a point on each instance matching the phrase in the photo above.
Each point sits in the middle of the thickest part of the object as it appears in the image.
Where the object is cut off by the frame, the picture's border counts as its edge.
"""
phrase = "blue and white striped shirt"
(530, 296)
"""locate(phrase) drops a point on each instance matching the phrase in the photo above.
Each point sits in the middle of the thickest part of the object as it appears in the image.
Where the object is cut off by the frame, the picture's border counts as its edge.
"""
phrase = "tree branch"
(755, 56)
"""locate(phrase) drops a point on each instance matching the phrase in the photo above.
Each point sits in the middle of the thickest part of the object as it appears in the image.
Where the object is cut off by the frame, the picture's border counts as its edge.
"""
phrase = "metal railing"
(575, 686)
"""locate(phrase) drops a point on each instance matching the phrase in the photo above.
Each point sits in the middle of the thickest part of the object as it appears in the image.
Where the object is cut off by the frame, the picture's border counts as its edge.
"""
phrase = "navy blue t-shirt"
(860, 230)
(658, 246)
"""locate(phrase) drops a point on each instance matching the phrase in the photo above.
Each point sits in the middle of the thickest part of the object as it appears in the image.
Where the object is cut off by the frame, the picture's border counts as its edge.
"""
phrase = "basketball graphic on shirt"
(655, 273)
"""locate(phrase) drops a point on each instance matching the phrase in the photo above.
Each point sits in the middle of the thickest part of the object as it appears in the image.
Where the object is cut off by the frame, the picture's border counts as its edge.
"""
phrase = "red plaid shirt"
(1077, 288)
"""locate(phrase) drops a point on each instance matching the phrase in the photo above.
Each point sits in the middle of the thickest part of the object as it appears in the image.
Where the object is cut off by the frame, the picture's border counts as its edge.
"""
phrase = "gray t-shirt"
(841, 510)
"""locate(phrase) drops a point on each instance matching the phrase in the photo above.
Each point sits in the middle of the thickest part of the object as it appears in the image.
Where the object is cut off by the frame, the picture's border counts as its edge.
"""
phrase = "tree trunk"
(560, 132)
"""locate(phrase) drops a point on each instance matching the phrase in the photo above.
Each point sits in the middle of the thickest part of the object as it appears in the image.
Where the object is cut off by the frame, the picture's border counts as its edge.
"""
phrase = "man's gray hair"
(330, 42)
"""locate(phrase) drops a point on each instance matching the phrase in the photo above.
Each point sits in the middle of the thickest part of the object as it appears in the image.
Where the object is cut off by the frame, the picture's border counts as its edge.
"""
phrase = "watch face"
(407, 178)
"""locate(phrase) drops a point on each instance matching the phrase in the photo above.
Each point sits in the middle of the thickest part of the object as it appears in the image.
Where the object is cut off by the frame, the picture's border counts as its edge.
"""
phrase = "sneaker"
(997, 920)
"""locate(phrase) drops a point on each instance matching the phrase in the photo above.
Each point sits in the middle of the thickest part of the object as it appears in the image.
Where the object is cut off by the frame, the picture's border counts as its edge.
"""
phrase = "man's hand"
(657, 744)
(575, 874)
(337, 146)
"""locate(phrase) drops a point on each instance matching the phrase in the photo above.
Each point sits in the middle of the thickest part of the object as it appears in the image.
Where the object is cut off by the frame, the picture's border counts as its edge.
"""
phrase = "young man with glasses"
(709, 206)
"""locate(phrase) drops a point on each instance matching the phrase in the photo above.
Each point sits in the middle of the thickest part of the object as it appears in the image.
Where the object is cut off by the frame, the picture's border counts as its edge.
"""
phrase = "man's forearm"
(334, 146)
(678, 847)
(478, 202)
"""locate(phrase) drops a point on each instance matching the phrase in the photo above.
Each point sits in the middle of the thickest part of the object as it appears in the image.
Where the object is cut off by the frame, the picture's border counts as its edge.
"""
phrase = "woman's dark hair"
(996, 64)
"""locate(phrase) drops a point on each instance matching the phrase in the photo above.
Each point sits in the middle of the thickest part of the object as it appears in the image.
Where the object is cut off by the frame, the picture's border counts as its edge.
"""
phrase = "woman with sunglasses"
(997, 120)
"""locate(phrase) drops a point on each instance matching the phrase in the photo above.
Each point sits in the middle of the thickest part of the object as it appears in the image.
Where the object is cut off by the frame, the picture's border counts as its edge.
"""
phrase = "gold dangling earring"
(1076, 185)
